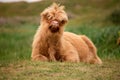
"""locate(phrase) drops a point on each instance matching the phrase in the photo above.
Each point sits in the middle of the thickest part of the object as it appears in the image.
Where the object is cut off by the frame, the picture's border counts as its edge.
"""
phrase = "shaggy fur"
(51, 43)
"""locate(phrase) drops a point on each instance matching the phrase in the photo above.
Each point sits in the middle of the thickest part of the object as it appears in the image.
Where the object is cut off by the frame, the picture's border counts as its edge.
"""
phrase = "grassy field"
(17, 29)
(15, 51)
(27, 70)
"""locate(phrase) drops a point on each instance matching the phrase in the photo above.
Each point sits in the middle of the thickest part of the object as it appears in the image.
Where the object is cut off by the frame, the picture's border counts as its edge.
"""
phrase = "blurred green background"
(97, 19)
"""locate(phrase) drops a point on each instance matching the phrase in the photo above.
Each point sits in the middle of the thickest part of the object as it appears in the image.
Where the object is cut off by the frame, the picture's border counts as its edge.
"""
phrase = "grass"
(16, 42)
(27, 70)
(15, 51)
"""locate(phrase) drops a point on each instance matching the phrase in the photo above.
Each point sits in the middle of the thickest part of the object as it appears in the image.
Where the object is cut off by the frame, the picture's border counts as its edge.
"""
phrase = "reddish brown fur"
(51, 43)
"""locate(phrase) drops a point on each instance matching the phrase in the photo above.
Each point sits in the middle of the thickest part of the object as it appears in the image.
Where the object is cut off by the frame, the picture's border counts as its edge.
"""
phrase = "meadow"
(18, 28)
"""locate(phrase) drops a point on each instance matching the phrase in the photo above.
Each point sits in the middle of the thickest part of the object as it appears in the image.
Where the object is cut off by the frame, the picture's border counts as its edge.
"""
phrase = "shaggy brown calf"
(51, 43)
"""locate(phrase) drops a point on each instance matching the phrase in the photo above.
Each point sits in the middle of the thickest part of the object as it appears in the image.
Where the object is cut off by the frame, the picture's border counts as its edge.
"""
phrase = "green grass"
(16, 42)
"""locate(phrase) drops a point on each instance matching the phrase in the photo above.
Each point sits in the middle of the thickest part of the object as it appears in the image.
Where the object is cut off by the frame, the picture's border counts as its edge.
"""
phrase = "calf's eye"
(63, 21)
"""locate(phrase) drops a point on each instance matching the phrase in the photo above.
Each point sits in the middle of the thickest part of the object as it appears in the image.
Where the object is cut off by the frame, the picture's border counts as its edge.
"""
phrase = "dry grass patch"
(27, 70)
